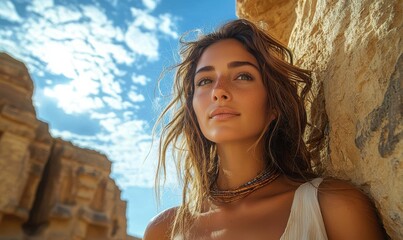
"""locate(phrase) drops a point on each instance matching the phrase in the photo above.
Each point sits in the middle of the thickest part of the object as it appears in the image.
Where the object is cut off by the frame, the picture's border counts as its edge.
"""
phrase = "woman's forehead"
(223, 52)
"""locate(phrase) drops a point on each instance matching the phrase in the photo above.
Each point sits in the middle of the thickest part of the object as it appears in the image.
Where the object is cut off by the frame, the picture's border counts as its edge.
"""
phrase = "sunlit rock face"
(49, 188)
(354, 49)
(278, 16)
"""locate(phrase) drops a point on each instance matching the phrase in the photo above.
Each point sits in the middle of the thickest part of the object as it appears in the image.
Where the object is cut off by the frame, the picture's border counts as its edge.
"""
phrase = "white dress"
(305, 221)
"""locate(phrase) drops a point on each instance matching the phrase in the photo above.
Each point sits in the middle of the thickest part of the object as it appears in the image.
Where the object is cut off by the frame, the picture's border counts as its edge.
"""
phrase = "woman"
(237, 128)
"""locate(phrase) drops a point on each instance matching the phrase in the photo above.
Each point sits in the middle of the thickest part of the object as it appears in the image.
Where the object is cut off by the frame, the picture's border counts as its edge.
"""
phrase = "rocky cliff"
(50, 189)
(354, 49)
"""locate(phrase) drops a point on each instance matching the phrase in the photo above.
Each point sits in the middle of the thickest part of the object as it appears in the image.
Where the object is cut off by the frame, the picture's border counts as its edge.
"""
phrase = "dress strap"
(305, 221)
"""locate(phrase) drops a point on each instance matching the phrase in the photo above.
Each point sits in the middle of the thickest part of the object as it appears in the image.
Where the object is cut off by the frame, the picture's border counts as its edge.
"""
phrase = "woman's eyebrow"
(233, 64)
(205, 69)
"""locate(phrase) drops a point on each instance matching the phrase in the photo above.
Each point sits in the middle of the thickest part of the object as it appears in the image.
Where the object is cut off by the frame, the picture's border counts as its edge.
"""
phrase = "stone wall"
(354, 49)
(50, 189)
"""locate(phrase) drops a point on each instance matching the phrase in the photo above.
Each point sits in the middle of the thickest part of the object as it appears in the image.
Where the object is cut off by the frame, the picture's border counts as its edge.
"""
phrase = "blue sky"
(95, 64)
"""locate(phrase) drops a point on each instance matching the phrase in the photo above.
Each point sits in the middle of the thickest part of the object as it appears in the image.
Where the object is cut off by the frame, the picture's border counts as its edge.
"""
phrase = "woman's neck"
(239, 163)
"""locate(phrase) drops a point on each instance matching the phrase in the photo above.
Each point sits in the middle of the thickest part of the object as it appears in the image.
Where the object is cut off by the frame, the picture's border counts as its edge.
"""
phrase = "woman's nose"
(220, 91)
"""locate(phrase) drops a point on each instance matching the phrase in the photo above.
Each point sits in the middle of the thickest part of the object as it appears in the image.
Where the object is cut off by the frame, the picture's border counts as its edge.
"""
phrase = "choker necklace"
(228, 196)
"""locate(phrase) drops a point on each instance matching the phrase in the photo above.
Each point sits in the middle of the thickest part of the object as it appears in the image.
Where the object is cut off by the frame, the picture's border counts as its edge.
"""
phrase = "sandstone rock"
(22, 154)
(50, 189)
(354, 49)
(278, 16)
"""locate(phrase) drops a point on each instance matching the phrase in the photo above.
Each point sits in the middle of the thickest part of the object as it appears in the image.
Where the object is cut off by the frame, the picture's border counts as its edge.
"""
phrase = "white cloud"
(67, 135)
(143, 33)
(79, 96)
(142, 43)
(8, 11)
(59, 57)
(114, 102)
(144, 19)
(10, 47)
(73, 100)
(96, 15)
(135, 97)
(127, 115)
(140, 79)
(96, 115)
(120, 54)
(61, 14)
(93, 56)
(117, 103)
(87, 53)
(110, 86)
(40, 6)
(150, 4)
(110, 124)
(167, 25)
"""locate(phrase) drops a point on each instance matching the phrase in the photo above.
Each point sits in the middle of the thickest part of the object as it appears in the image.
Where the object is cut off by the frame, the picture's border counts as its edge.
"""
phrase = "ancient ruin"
(50, 189)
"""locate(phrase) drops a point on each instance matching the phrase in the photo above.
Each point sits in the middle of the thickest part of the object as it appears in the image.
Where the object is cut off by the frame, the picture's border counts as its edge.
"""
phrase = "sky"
(95, 65)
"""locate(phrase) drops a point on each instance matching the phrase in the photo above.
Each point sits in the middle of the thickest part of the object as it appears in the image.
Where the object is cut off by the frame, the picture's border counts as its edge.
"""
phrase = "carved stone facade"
(354, 49)
(50, 189)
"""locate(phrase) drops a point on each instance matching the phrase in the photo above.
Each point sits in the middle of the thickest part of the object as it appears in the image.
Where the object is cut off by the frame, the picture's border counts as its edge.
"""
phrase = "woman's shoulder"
(347, 212)
(335, 192)
(159, 227)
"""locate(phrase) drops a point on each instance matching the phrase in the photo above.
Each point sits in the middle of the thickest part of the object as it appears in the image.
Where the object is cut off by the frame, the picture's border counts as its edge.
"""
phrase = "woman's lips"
(223, 113)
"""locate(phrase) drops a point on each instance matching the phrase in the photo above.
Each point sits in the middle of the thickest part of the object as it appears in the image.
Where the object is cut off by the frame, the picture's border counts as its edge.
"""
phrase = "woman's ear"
(273, 114)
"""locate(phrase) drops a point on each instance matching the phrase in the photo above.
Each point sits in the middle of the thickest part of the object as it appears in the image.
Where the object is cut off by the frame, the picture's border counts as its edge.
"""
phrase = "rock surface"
(354, 49)
(50, 189)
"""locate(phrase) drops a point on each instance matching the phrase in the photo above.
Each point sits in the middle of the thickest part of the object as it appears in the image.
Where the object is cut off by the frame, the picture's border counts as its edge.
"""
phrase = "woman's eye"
(244, 76)
(203, 82)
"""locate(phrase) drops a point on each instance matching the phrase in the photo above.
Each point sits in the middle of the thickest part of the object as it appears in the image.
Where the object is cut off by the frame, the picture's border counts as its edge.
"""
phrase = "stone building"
(50, 189)
(354, 49)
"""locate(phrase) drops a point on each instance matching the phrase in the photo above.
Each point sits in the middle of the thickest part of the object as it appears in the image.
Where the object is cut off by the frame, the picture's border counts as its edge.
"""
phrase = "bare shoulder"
(347, 212)
(159, 227)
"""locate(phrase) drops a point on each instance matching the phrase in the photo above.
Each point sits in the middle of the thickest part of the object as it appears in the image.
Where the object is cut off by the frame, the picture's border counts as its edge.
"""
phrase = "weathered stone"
(16, 86)
(278, 16)
(74, 190)
(14, 73)
(50, 189)
(8, 125)
(20, 162)
(13, 163)
(354, 49)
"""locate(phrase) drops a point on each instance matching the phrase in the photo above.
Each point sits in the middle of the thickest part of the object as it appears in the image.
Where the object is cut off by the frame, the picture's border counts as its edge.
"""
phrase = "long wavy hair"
(195, 156)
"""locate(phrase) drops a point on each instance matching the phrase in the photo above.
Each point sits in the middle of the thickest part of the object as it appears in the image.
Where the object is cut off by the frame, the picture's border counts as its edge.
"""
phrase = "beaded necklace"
(228, 196)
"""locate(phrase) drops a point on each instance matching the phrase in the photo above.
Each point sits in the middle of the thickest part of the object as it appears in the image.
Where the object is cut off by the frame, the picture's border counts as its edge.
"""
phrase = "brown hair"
(283, 144)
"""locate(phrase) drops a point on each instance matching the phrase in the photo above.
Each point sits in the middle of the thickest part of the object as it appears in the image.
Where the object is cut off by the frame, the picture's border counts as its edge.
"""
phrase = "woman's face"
(230, 100)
